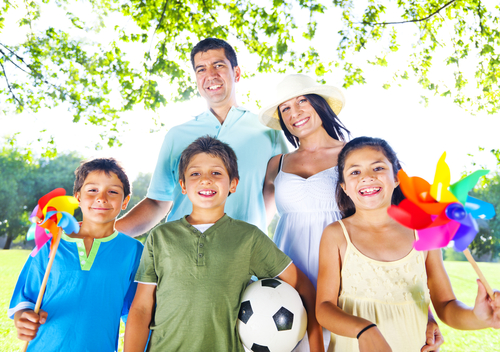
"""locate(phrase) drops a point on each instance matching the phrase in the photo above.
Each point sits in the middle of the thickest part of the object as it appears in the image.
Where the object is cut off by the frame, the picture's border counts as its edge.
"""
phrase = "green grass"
(11, 263)
(462, 276)
(463, 279)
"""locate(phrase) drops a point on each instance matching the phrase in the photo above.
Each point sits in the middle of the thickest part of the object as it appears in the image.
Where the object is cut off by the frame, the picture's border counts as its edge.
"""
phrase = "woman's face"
(299, 116)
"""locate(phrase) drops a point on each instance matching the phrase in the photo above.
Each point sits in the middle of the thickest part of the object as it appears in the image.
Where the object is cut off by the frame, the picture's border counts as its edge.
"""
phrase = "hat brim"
(333, 96)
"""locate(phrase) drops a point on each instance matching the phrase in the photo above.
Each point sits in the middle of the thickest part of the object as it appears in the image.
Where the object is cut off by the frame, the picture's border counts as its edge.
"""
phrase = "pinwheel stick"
(478, 272)
(46, 277)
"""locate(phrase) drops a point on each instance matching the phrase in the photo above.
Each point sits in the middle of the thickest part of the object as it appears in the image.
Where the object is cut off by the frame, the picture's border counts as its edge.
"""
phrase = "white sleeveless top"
(306, 207)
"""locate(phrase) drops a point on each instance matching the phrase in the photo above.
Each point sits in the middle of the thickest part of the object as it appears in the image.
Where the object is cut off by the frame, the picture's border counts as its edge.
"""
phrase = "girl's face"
(299, 116)
(369, 179)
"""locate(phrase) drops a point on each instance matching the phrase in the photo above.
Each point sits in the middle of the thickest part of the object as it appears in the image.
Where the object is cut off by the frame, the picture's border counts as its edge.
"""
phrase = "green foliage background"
(103, 57)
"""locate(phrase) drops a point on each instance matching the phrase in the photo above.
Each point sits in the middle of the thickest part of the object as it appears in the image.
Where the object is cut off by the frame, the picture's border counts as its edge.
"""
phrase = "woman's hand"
(434, 338)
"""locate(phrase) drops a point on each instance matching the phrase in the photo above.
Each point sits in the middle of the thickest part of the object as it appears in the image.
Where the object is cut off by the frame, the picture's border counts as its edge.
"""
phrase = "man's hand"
(27, 323)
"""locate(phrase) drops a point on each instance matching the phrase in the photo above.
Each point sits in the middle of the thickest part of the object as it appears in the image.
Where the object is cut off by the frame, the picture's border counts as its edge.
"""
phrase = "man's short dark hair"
(214, 147)
(215, 44)
(106, 165)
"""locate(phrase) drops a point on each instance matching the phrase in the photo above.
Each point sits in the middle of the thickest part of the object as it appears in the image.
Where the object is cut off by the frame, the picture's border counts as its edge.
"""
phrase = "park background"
(422, 75)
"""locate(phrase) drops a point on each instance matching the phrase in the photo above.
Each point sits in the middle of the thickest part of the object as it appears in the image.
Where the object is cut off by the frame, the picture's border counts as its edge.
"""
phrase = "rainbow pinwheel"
(441, 212)
(54, 210)
(52, 215)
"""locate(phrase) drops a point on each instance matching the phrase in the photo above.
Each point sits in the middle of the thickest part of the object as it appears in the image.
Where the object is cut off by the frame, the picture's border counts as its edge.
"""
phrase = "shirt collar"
(237, 111)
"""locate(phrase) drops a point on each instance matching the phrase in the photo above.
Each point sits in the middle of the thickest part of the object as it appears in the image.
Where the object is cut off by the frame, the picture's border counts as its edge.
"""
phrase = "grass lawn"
(461, 273)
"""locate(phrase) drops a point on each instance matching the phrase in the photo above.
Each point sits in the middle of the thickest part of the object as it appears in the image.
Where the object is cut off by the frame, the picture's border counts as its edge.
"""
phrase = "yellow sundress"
(393, 295)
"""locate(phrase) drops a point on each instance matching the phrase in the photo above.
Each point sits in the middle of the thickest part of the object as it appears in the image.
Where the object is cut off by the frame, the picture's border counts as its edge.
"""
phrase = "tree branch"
(157, 26)
(208, 10)
(8, 58)
(17, 56)
(410, 21)
(8, 85)
(162, 16)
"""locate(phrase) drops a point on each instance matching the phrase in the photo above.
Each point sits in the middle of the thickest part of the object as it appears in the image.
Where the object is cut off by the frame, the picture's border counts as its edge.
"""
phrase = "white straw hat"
(296, 85)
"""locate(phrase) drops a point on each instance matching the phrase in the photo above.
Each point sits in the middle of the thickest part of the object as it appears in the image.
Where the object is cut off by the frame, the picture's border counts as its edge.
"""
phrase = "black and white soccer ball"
(272, 317)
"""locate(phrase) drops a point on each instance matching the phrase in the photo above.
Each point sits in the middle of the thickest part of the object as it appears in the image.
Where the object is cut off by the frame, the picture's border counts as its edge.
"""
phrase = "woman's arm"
(268, 190)
(328, 313)
(139, 318)
(298, 280)
(484, 314)
(433, 337)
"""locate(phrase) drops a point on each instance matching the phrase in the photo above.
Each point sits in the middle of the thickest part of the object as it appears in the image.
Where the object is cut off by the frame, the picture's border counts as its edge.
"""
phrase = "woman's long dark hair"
(331, 122)
(346, 205)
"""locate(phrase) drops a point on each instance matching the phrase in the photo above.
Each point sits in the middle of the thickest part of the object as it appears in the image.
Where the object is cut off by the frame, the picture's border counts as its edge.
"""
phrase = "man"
(217, 72)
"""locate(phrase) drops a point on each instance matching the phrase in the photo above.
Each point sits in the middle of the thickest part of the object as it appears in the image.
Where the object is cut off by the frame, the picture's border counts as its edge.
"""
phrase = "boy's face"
(101, 197)
(207, 182)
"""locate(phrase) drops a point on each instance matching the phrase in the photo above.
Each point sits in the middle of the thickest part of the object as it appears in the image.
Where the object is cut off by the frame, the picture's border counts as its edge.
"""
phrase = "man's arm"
(141, 218)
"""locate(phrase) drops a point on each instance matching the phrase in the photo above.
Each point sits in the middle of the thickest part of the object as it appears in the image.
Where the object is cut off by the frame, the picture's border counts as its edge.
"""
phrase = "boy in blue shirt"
(194, 270)
(91, 284)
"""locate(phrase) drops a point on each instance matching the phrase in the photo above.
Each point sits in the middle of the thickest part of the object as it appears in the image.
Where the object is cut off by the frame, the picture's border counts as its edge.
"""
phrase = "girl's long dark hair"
(331, 122)
(346, 205)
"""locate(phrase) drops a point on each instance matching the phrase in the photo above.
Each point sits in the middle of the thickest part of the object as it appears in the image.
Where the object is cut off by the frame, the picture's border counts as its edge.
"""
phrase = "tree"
(139, 189)
(15, 185)
(139, 192)
(487, 241)
(23, 181)
(454, 46)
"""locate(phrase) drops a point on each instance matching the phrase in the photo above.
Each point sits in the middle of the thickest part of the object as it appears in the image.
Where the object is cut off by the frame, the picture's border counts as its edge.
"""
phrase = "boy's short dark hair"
(215, 44)
(106, 165)
(214, 147)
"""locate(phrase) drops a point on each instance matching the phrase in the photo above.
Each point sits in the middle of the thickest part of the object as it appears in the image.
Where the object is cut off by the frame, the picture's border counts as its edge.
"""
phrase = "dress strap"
(344, 230)
(281, 162)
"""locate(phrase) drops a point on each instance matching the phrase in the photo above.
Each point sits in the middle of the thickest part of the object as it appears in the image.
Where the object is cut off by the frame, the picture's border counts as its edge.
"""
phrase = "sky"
(419, 134)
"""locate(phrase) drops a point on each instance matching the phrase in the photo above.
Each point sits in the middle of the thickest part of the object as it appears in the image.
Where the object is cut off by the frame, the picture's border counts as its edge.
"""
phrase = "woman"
(304, 181)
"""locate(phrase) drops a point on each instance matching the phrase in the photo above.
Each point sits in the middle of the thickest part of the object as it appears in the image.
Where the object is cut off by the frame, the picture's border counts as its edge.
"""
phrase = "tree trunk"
(8, 241)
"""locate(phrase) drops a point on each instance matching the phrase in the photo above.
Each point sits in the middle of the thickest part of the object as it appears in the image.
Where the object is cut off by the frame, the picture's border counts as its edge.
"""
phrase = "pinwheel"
(53, 214)
(442, 212)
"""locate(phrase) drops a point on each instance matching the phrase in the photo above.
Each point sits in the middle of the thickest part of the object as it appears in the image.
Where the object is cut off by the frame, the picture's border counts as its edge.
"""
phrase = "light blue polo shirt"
(253, 143)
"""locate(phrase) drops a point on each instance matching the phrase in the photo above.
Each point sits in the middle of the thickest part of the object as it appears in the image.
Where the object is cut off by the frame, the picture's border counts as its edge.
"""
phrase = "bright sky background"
(417, 133)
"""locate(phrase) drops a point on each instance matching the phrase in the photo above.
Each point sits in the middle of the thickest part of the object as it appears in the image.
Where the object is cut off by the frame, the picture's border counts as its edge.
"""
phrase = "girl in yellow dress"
(374, 288)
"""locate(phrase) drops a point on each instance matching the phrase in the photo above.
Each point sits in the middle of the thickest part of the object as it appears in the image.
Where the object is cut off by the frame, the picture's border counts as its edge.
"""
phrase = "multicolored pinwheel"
(54, 210)
(52, 215)
(442, 212)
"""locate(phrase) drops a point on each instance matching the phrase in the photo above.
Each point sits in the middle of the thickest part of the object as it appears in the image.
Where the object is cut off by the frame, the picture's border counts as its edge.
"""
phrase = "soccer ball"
(272, 317)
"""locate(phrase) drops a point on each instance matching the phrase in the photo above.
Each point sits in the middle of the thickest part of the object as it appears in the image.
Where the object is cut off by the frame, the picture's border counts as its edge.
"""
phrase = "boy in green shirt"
(193, 271)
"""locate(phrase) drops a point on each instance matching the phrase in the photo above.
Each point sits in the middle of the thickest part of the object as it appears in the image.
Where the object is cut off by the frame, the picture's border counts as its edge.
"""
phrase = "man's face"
(216, 78)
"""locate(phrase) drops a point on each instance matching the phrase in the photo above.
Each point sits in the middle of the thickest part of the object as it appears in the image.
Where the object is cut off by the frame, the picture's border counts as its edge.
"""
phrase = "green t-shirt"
(200, 279)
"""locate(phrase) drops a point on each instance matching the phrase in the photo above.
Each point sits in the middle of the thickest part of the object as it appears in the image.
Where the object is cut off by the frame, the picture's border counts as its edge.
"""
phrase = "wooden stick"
(478, 272)
(46, 278)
